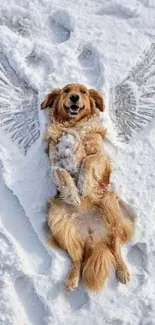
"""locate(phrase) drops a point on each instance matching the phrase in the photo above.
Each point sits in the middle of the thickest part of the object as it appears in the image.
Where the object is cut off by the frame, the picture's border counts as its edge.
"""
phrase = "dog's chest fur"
(65, 157)
(67, 144)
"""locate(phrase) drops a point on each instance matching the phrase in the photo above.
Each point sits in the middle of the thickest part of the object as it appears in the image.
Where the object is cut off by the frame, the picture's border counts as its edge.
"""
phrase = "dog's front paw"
(73, 198)
(66, 186)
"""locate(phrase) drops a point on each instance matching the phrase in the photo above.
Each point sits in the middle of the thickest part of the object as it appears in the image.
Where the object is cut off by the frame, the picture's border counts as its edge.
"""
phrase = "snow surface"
(46, 44)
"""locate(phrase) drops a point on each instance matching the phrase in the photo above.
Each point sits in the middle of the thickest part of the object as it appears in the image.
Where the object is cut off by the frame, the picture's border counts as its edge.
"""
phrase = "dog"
(74, 124)
(86, 220)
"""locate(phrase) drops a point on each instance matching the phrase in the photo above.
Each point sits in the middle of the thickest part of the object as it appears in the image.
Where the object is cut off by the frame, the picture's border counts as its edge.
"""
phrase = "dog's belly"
(90, 224)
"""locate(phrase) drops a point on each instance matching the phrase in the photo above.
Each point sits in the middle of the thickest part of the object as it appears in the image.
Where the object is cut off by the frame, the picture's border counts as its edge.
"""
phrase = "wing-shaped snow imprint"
(132, 102)
(18, 107)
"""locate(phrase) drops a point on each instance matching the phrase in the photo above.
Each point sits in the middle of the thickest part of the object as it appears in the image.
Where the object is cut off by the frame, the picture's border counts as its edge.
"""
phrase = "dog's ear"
(49, 100)
(98, 99)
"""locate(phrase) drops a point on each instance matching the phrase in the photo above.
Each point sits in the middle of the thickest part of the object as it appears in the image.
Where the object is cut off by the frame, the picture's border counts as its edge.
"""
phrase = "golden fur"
(88, 222)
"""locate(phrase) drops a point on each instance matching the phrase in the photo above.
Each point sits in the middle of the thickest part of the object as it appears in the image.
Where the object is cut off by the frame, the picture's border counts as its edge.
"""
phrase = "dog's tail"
(98, 260)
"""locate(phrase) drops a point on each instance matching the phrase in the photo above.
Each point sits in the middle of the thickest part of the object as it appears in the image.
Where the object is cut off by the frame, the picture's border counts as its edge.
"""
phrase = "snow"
(44, 45)
(65, 153)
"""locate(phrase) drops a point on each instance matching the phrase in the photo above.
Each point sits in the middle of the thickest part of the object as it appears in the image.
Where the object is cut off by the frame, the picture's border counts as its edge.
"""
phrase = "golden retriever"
(86, 220)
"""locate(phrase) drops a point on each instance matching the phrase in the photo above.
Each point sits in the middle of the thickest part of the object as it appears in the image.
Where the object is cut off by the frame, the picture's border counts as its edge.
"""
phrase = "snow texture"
(108, 45)
(65, 153)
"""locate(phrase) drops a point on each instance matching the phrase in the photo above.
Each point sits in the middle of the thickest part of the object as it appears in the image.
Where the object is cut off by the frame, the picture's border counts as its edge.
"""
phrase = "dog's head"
(74, 101)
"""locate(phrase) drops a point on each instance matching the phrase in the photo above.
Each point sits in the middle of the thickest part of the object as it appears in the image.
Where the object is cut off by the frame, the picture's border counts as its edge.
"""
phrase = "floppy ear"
(49, 100)
(99, 102)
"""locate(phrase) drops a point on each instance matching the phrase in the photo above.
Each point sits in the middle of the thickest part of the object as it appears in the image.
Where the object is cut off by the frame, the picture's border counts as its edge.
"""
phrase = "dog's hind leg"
(91, 174)
(122, 272)
(66, 236)
(118, 224)
(73, 277)
(121, 229)
(75, 248)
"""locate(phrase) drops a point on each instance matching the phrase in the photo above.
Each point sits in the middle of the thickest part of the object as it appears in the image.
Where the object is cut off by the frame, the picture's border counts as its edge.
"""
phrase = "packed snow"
(108, 45)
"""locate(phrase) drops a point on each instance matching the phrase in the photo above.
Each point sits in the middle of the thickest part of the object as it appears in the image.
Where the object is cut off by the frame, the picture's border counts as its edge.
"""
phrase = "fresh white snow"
(44, 45)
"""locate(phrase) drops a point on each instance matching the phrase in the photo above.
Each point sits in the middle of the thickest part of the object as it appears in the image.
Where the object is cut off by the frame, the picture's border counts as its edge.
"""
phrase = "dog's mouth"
(73, 110)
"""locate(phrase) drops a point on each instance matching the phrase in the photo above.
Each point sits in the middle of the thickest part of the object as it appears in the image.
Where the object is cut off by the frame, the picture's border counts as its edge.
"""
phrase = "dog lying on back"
(86, 220)
(75, 137)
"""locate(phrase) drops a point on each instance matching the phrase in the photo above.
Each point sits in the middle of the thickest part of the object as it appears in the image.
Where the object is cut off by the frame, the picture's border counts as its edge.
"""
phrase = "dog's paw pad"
(71, 283)
(75, 198)
(123, 275)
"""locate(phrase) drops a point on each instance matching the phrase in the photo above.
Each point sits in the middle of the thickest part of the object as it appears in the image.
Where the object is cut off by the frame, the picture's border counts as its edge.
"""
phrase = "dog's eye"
(83, 92)
(66, 91)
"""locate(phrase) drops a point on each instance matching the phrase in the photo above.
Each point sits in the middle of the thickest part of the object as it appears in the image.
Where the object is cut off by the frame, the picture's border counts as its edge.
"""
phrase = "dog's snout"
(74, 98)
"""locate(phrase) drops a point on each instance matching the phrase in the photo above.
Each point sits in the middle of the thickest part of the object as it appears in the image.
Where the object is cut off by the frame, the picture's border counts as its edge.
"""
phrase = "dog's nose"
(74, 98)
